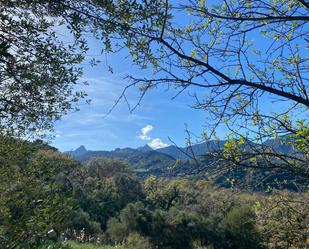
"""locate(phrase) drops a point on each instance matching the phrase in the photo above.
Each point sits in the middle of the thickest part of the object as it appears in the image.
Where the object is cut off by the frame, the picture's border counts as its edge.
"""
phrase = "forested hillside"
(103, 202)
(197, 162)
(226, 79)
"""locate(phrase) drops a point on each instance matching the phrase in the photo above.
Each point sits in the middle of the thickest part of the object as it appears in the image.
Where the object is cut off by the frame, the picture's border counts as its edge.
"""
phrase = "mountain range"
(175, 161)
(142, 159)
(147, 159)
(173, 152)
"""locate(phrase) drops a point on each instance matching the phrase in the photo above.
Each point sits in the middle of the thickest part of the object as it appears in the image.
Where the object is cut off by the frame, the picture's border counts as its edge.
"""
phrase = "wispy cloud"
(157, 143)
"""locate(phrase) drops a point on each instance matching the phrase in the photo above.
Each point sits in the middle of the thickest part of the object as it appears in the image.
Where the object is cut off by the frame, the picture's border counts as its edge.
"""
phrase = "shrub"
(116, 230)
(240, 224)
(283, 220)
(136, 241)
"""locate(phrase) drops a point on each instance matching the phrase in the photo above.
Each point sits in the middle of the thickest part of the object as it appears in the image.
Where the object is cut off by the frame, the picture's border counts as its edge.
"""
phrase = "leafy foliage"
(45, 194)
(52, 196)
(38, 70)
(283, 221)
(37, 201)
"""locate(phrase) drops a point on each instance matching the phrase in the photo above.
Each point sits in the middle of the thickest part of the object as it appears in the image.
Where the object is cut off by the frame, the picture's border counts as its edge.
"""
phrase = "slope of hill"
(145, 148)
(172, 161)
(280, 145)
(142, 159)
(196, 150)
(80, 151)
(146, 157)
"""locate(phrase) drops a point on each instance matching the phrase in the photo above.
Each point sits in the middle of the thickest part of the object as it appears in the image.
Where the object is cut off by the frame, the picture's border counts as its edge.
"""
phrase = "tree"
(282, 220)
(236, 53)
(38, 69)
(240, 223)
(102, 168)
(38, 204)
(108, 186)
(164, 193)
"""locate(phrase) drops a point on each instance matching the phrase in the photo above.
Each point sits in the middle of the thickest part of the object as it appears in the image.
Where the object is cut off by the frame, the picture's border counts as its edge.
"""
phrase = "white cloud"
(144, 133)
(157, 143)
(146, 129)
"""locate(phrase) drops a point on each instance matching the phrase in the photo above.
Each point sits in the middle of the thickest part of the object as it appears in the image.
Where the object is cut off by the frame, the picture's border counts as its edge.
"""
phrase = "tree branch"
(263, 87)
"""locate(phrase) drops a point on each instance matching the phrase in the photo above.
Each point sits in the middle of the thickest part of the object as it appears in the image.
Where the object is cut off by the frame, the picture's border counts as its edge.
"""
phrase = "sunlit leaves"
(37, 81)
(36, 192)
(282, 220)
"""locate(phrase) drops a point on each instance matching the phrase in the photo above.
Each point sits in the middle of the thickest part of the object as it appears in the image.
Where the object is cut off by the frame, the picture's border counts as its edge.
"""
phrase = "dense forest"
(172, 162)
(53, 197)
(243, 63)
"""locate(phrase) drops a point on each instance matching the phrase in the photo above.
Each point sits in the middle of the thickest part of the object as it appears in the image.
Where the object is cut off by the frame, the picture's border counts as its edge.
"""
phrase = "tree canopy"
(38, 67)
(236, 54)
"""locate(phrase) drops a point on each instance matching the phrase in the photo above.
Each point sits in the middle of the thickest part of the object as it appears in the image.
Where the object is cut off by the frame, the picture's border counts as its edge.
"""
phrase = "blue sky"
(92, 128)
(157, 119)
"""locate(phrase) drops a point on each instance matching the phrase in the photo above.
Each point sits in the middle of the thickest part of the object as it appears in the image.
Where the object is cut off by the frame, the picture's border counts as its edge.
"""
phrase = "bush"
(282, 220)
(116, 230)
(81, 220)
(136, 241)
(133, 218)
(240, 224)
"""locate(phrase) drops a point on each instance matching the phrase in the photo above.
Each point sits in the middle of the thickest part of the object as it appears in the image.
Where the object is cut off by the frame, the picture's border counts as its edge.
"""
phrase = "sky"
(157, 119)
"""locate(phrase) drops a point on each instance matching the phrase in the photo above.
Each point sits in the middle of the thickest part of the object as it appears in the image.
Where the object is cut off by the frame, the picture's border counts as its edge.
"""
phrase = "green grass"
(75, 245)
